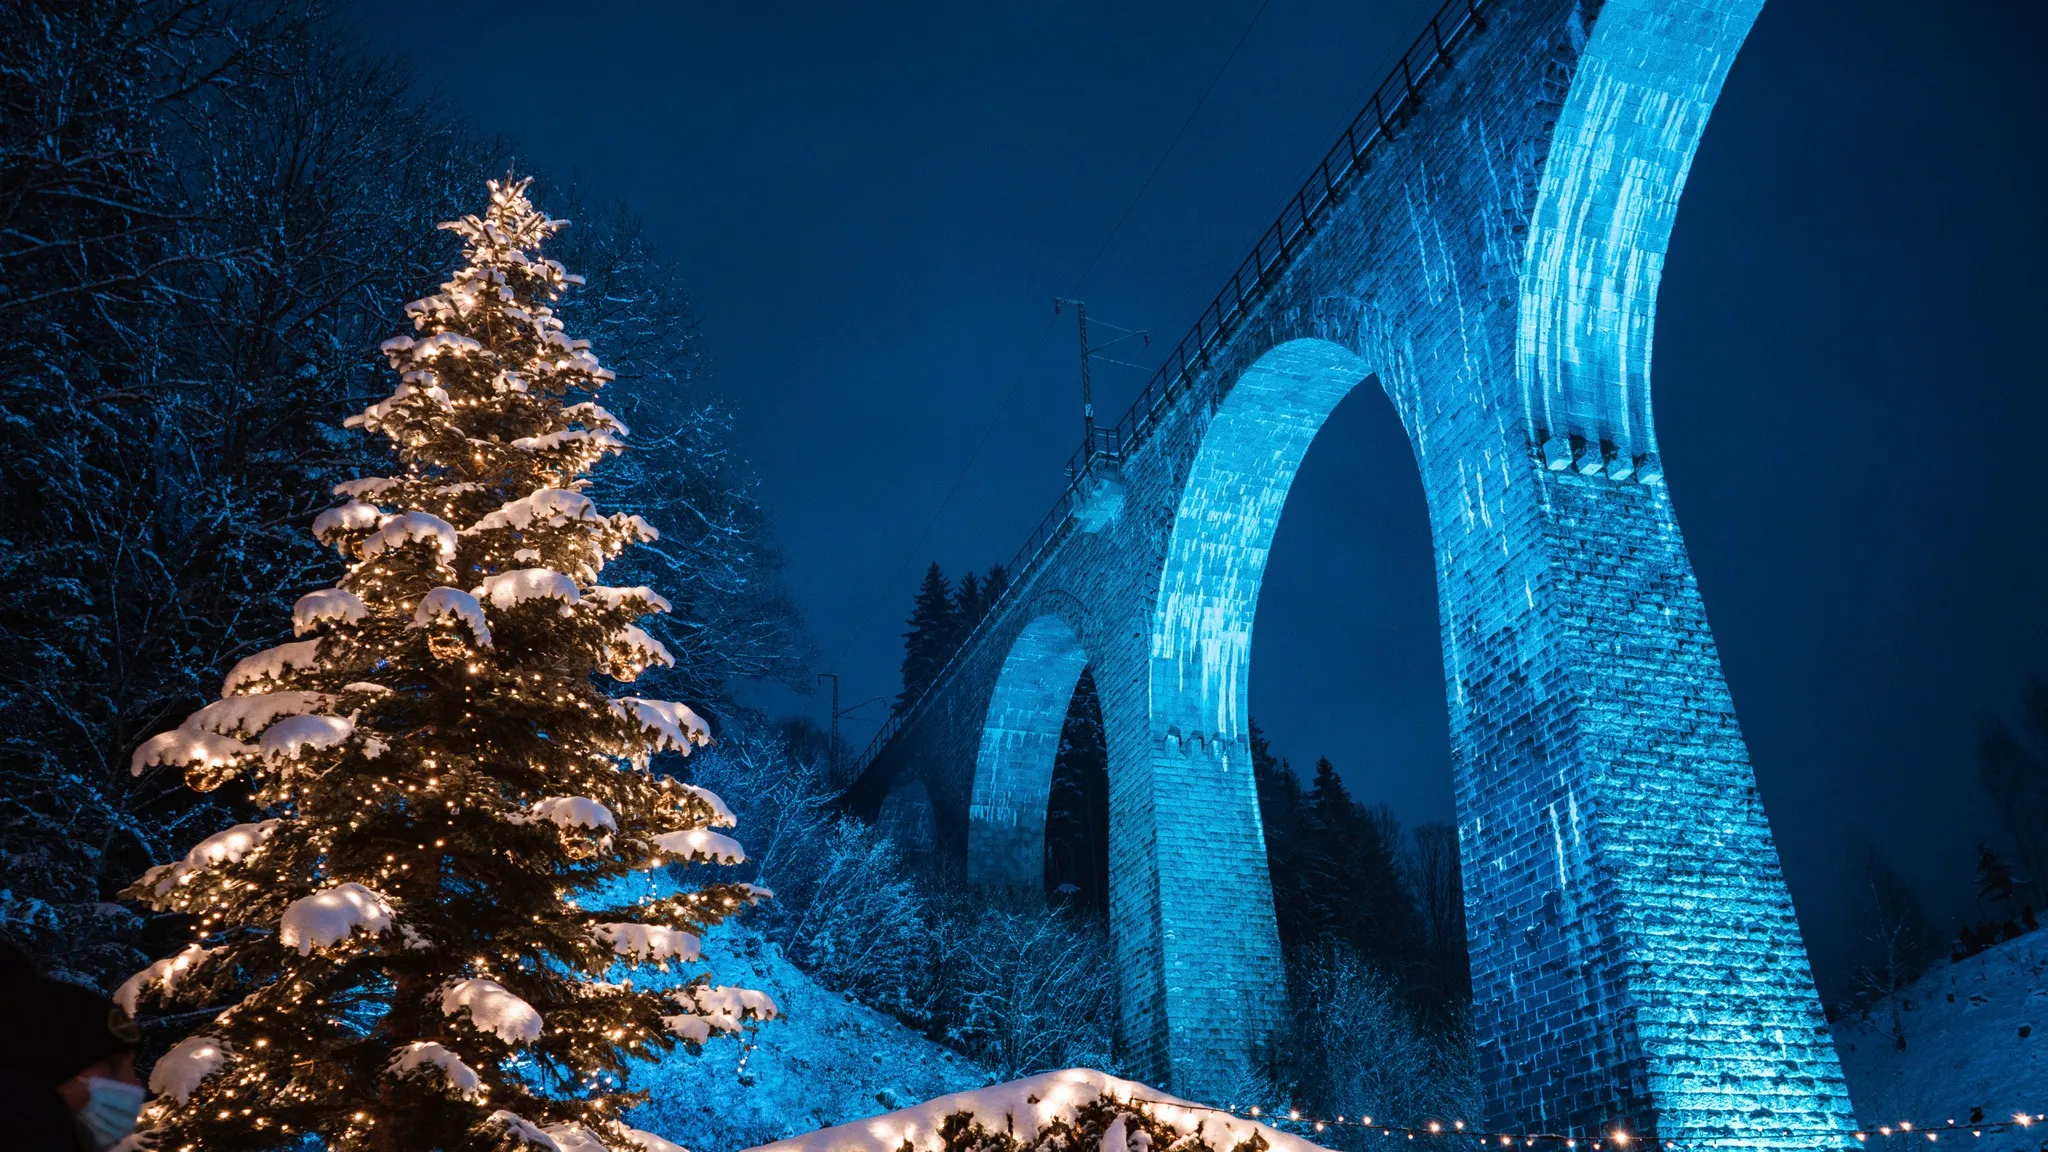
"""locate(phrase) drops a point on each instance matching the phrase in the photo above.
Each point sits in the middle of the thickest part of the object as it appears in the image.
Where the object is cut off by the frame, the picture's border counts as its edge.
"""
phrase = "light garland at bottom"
(1616, 1139)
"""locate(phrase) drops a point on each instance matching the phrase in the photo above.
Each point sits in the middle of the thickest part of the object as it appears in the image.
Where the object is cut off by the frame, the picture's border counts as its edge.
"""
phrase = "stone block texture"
(1493, 269)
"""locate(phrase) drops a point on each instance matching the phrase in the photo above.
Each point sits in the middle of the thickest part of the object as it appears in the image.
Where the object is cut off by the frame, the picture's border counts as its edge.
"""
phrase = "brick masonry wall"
(1636, 961)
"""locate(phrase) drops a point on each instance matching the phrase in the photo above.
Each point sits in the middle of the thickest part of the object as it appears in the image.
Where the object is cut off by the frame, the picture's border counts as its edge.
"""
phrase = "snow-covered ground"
(1976, 1038)
(827, 1061)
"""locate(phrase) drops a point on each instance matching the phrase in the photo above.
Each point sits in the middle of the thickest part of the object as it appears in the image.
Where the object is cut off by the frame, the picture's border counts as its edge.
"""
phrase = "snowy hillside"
(1974, 1039)
(827, 1061)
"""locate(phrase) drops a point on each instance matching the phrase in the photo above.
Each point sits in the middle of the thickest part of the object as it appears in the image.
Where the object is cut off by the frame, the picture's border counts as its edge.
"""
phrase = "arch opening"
(1077, 809)
(1349, 659)
(908, 818)
(1019, 748)
(1348, 670)
(1223, 533)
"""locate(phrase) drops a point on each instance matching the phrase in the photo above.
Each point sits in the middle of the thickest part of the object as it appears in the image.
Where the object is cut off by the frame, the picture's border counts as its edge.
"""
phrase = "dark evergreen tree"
(1329, 887)
(1077, 810)
(1435, 876)
(973, 599)
(1338, 877)
(2013, 768)
(1386, 926)
(929, 642)
(1994, 876)
(969, 606)
(994, 583)
(1290, 842)
(1356, 892)
(1332, 800)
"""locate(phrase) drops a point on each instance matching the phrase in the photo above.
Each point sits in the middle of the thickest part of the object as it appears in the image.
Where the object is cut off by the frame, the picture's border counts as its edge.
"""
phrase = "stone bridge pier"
(1484, 248)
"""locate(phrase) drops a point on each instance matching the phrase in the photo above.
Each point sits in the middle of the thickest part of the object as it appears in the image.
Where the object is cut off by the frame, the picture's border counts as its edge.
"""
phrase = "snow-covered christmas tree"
(411, 942)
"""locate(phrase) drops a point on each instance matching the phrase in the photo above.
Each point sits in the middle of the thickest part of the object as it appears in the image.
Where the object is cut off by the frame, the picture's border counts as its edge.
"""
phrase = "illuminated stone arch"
(1222, 532)
(1019, 743)
(1189, 854)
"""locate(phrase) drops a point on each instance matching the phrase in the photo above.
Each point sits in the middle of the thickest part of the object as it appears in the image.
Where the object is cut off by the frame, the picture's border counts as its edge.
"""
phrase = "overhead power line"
(995, 417)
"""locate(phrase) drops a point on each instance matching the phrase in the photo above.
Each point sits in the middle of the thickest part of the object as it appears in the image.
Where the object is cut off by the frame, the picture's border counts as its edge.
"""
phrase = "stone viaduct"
(1484, 245)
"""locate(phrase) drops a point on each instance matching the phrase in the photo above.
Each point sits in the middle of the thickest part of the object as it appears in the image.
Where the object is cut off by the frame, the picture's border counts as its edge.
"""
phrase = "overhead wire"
(1002, 405)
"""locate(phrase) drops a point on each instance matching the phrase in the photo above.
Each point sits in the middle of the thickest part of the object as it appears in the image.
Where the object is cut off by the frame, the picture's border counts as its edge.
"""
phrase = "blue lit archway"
(1020, 740)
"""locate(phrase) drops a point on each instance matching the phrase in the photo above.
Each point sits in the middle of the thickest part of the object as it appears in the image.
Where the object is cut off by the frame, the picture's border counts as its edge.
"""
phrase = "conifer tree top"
(930, 639)
(414, 944)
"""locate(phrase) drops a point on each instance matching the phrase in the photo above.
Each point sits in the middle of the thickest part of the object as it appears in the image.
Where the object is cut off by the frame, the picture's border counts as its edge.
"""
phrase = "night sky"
(875, 206)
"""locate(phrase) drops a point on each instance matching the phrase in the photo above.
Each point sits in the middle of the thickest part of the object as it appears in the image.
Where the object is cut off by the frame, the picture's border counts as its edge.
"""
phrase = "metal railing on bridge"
(1392, 102)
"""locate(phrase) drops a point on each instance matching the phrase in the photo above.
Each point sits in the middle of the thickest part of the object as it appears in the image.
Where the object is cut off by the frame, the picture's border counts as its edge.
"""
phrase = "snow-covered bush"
(1358, 1050)
(1021, 989)
(1073, 1110)
(859, 925)
(846, 909)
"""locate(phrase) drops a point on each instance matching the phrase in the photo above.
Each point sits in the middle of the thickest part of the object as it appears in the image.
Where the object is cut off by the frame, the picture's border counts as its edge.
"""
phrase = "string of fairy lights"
(1615, 1138)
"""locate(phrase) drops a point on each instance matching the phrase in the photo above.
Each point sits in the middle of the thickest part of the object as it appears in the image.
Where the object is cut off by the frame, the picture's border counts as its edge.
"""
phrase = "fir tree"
(1336, 869)
(1284, 817)
(1332, 800)
(972, 601)
(1330, 842)
(1384, 922)
(1435, 876)
(1994, 876)
(969, 606)
(994, 583)
(929, 643)
(412, 939)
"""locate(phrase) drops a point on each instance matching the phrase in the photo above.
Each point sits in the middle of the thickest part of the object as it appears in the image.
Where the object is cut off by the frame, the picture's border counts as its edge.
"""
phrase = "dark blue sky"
(874, 206)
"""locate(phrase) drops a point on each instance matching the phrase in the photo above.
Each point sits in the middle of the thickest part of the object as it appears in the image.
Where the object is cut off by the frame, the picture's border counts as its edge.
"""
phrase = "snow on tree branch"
(449, 755)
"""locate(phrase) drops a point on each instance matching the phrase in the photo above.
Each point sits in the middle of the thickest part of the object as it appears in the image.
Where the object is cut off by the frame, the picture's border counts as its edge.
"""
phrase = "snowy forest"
(224, 225)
